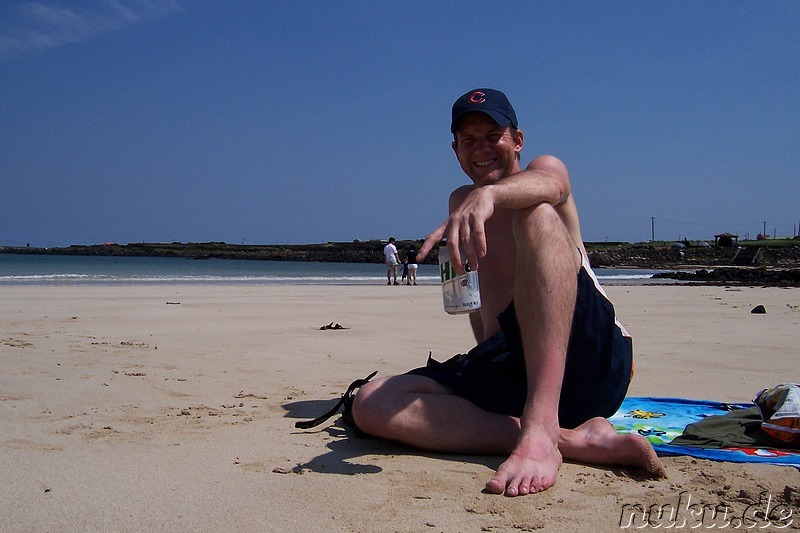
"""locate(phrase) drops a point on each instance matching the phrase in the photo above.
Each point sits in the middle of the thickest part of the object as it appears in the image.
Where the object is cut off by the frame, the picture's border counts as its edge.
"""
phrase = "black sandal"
(347, 401)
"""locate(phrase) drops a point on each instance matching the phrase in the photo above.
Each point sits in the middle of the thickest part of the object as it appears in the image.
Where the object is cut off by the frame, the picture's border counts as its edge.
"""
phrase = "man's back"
(389, 252)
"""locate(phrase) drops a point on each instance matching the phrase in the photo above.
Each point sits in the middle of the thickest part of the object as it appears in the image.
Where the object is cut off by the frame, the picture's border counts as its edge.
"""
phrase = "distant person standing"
(391, 260)
(411, 258)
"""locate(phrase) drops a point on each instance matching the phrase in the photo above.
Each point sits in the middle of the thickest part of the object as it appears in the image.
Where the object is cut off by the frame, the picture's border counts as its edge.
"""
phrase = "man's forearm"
(528, 188)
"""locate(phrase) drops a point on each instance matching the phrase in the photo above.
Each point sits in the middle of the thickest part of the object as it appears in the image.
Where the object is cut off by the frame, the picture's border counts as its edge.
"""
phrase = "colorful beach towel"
(661, 420)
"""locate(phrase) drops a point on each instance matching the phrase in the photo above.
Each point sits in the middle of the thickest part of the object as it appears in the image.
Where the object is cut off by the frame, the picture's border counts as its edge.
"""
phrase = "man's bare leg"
(545, 288)
(419, 412)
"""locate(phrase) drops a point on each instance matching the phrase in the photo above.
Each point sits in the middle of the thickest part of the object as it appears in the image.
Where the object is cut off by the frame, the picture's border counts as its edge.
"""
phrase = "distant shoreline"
(774, 264)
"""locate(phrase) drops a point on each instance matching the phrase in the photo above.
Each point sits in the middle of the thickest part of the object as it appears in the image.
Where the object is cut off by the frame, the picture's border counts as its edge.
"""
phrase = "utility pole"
(652, 229)
(764, 233)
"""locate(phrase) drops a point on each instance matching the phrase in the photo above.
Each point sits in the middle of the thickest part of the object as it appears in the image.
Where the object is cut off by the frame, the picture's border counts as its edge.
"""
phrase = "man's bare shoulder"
(550, 163)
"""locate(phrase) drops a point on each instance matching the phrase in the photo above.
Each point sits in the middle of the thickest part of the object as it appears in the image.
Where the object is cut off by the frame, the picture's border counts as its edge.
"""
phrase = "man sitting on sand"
(552, 360)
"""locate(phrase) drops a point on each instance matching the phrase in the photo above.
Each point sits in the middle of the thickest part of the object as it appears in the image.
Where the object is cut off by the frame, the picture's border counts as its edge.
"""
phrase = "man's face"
(486, 152)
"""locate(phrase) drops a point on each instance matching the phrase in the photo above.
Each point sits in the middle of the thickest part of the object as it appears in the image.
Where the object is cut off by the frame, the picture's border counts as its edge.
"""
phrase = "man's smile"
(484, 163)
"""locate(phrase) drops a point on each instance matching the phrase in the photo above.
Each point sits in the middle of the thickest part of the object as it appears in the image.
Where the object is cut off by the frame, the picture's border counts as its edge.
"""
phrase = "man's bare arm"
(545, 179)
(438, 234)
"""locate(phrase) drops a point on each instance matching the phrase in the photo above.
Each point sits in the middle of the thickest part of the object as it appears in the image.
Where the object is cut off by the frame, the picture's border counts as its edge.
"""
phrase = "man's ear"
(455, 148)
(519, 140)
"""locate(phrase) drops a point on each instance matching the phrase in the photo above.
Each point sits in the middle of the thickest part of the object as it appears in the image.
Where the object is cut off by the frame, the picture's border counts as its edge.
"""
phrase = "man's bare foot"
(596, 442)
(531, 467)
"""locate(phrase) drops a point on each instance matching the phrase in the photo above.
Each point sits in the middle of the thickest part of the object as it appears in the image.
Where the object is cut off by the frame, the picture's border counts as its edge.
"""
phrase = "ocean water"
(23, 269)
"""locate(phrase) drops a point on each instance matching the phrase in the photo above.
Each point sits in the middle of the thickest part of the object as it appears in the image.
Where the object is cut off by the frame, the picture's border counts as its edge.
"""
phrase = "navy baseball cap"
(490, 101)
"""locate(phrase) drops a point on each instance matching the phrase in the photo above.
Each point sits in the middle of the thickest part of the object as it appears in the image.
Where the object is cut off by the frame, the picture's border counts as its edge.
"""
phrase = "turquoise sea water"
(20, 269)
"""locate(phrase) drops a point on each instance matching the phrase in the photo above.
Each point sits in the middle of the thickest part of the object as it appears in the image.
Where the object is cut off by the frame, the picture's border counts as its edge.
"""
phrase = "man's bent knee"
(378, 403)
(366, 410)
(539, 230)
(537, 220)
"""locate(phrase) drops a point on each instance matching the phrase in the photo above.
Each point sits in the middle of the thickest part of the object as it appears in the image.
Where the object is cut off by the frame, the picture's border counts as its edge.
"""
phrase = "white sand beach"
(172, 408)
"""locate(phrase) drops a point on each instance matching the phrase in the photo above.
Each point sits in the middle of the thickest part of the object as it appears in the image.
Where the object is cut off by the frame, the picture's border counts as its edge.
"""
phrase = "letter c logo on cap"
(477, 98)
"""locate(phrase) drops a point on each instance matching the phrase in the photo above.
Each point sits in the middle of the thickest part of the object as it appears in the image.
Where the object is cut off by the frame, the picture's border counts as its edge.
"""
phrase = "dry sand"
(173, 408)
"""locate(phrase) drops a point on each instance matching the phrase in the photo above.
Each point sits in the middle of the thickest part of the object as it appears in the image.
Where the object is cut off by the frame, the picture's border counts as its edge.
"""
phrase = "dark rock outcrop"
(331, 252)
(783, 277)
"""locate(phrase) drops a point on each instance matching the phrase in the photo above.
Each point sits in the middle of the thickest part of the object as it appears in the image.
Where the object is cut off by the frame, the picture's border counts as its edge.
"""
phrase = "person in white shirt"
(391, 259)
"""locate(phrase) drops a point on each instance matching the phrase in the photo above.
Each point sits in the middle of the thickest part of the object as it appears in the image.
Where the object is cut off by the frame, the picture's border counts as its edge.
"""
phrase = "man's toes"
(656, 469)
(495, 486)
(541, 484)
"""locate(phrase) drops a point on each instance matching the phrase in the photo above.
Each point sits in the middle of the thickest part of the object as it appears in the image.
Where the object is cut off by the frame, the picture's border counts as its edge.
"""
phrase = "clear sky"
(306, 122)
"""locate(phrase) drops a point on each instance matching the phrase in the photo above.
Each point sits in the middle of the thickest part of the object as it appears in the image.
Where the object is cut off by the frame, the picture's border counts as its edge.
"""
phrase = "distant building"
(726, 239)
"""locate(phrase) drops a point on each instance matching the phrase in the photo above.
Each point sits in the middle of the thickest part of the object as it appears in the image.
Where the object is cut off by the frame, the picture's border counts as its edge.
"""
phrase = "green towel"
(737, 429)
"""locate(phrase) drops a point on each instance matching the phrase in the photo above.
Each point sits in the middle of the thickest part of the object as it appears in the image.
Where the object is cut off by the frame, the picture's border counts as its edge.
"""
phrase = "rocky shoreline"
(737, 276)
(711, 265)
(770, 265)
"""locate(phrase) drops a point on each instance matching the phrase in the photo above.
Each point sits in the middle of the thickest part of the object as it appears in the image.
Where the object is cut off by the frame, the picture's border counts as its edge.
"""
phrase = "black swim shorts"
(596, 375)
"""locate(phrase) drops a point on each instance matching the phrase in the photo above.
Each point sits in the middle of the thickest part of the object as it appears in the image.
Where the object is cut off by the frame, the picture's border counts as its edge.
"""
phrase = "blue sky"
(304, 122)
